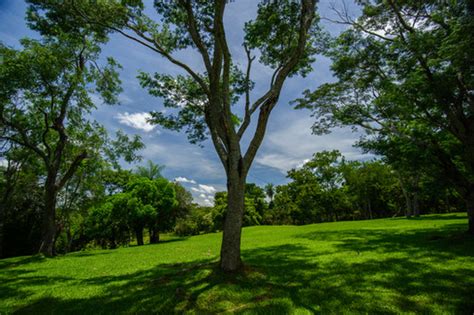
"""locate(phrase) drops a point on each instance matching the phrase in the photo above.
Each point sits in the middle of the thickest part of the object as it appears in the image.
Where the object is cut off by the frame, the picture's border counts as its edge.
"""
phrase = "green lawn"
(386, 266)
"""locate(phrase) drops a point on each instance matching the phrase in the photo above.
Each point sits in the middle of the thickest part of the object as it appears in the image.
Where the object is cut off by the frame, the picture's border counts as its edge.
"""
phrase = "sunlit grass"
(382, 266)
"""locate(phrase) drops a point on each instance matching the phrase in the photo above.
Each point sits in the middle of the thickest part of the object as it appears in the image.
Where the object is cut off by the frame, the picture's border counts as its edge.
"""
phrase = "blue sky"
(288, 141)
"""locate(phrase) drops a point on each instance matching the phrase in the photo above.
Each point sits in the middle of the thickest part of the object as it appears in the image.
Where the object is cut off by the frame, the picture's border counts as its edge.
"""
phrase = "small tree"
(159, 194)
(108, 223)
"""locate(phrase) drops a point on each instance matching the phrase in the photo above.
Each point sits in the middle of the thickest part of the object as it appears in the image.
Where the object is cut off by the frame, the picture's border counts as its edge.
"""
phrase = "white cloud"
(208, 203)
(185, 159)
(184, 180)
(3, 162)
(136, 120)
(204, 194)
(206, 188)
(279, 161)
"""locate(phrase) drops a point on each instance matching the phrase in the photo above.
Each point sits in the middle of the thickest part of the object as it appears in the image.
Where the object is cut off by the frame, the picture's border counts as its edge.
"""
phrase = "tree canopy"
(405, 76)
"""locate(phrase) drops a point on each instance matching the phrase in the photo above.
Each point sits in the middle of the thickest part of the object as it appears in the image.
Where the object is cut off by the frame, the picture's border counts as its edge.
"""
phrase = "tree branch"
(271, 97)
(72, 169)
(194, 32)
(248, 115)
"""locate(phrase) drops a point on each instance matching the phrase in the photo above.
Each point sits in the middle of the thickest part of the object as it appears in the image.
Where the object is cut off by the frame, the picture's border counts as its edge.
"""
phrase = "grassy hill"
(386, 266)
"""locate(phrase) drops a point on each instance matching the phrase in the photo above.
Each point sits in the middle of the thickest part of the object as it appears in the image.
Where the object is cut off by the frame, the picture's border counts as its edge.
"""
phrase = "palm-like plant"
(270, 190)
(151, 170)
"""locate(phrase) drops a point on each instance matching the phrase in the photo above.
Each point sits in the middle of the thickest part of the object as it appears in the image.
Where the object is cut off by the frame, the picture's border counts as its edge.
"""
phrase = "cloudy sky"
(288, 142)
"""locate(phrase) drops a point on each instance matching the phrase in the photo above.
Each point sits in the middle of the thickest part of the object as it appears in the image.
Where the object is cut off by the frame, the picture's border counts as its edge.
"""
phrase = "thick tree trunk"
(230, 249)
(49, 221)
(139, 234)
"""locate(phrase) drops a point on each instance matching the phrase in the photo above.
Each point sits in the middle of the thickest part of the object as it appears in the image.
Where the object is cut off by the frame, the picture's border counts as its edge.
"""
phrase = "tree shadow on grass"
(438, 217)
(18, 261)
(170, 240)
(371, 272)
(447, 242)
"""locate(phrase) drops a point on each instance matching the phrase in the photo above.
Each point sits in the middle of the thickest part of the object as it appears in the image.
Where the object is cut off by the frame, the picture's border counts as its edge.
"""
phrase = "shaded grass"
(387, 266)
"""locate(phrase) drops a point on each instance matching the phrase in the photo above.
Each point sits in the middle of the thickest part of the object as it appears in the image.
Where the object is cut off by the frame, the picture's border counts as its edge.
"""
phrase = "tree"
(44, 98)
(405, 74)
(156, 200)
(108, 222)
(184, 201)
(164, 217)
(326, 171)
(150, 171)
(21, 202)
(284, 32)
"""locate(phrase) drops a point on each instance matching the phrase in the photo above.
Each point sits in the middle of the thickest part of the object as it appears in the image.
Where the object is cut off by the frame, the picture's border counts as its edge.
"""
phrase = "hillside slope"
(381, 266)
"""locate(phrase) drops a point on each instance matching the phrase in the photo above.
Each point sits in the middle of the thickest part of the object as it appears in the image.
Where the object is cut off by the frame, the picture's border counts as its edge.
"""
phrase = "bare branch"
(346, 19)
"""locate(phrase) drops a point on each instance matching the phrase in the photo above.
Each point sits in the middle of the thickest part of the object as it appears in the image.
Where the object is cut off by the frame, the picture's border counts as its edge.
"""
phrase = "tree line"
(329, 188)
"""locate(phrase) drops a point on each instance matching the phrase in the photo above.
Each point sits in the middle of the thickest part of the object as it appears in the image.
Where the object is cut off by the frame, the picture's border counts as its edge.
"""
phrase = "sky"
(288, 141)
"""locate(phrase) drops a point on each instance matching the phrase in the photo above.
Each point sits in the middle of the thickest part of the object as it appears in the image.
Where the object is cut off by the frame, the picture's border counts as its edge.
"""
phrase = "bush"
(186, 226)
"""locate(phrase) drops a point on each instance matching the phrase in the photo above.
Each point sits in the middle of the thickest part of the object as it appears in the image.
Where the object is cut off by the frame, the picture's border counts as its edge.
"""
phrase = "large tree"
(44, 101)
(405, 73)
(284, 32)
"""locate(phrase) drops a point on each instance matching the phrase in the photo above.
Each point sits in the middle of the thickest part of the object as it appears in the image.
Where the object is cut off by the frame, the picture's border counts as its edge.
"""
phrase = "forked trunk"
(49, 222)
(230, 249)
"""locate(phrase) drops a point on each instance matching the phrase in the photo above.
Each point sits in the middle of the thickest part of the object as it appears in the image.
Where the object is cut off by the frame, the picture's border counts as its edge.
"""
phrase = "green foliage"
(404, 71)
(142, 203)
(328, 188)
(45, 100)
(108, 222)
(275, 33)
(186, 226)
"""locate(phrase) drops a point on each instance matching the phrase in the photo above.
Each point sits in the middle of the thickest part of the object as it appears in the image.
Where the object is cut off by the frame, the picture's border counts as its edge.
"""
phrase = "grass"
(386, 266)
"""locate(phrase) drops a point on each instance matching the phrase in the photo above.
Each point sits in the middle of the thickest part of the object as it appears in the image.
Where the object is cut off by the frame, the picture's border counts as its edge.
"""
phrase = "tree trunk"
(6, 203)
(154, 235)
(370, 209)
(2, 219)
(139, 234)
(416, 206)
(68, 239)
(230, 249)
(49, 218)
(470, 212)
